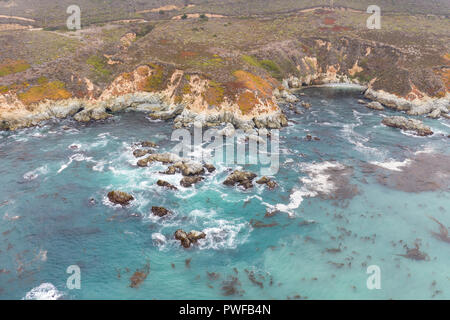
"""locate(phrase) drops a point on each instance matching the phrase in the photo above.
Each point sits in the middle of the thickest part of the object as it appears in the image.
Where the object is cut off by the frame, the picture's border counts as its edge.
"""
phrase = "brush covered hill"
(228, 60)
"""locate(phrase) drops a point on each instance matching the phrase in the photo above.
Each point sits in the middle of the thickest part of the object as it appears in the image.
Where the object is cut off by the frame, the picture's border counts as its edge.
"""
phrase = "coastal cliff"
(201, 71)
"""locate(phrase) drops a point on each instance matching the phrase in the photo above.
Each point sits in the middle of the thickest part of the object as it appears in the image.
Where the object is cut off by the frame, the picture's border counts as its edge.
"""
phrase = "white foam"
(159, 239)
(223, 236)
(46, 291)
(31, 175)
(75, 157)
(317, 180)
(392, 165)
(296, 199)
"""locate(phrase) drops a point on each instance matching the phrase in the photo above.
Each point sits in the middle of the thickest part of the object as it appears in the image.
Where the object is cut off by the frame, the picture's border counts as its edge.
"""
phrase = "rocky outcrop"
(166, 184)
(189, 167)
(268, 182)
(164, 158)
(240, 178)
(375, 106)
(161, 91)
(138, 153)
(120, 197)
(160, 211)
(403, 123)
(209, 167)
(425, 105)
(187, 239)
(148, 144)
(189, 181)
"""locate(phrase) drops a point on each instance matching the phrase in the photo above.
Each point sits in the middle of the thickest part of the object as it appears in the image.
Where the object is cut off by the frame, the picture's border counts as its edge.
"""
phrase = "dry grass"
(54, 90)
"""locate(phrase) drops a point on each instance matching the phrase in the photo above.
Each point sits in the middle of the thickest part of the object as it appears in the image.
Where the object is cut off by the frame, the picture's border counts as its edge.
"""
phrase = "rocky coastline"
(159, 106)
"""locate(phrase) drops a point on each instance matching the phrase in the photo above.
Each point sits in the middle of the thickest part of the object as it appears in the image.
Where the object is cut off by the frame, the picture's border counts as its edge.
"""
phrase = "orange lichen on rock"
(444, 73)
(247, 101)
(45, 90)
(154, 82)
(255, 83)
(214, 95)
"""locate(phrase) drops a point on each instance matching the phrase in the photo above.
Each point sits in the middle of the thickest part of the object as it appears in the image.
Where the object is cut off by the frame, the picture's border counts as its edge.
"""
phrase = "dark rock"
(190, 180)
(142, 163)
(268, 182)
(306, 105)
(170, 170)
(160, 211)
(194, 236)
(140, 153)
(209, 167)
(189, 168)
(120, 197)
(148, 144)
(165, 184)
(241, 178)
(271, 184)
(183, 237)
(263, 180)
(374, 105)
(188, 239)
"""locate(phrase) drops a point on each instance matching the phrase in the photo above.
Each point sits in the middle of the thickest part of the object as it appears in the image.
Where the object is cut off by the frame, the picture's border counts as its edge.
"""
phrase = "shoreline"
(157, 106)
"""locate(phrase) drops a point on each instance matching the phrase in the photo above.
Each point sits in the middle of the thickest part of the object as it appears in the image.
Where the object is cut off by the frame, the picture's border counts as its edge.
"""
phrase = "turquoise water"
(49, 174)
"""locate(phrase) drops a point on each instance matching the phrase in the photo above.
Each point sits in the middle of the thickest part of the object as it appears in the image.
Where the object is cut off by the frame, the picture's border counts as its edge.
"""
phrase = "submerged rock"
(139, 276)
(408, 124)
(241, 178)
(120, 197)
(166, 184)
(375, 106)
(190, 180)
(415, 253)
(160, 211)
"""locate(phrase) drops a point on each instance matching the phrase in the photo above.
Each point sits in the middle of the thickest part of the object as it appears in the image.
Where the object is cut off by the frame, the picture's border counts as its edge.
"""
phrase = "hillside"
(225, 59)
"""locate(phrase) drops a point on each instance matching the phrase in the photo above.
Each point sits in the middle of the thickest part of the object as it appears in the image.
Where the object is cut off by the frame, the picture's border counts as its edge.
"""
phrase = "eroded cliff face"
(398, 79)
(248, 96)
(161, 90)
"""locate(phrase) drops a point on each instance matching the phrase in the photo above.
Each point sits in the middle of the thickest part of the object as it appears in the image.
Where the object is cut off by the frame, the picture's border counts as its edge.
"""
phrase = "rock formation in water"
(240, 178)
(403, 123)
(120, 197)
(187, 239)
